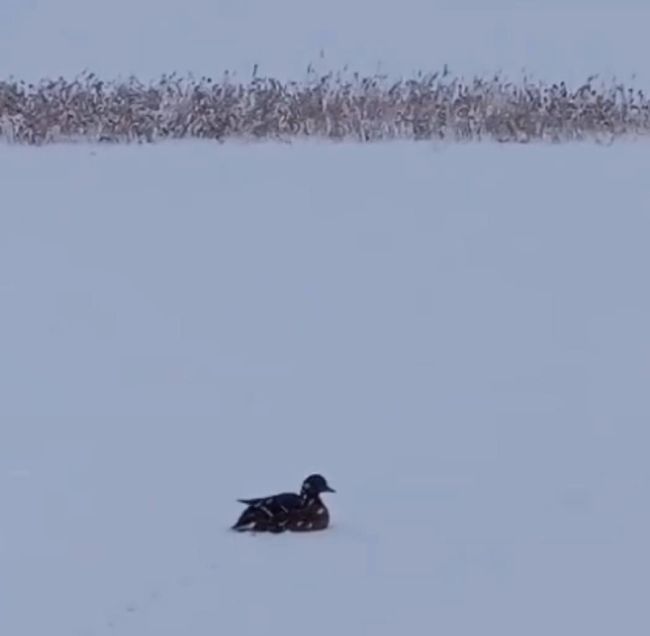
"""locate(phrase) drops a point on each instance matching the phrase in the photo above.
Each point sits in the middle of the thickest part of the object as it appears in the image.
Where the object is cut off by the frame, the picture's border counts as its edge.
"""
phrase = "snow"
(555, 39)
(455, 336)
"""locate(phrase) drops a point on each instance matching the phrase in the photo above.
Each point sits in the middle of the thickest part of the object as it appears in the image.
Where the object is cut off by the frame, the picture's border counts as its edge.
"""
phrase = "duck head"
(314, 485)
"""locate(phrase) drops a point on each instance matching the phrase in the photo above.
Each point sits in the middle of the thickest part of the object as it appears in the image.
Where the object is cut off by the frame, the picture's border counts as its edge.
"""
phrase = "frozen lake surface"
(456, 337)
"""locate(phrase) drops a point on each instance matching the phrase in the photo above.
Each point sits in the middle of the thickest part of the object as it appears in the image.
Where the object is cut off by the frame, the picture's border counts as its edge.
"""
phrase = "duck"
(287, 511)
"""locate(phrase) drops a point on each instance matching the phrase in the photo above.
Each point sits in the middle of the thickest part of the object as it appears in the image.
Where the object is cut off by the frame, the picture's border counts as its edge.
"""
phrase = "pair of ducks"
(287, 511)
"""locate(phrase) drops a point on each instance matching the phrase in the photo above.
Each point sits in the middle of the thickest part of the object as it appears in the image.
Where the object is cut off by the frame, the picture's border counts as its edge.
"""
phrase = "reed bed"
(335, 106)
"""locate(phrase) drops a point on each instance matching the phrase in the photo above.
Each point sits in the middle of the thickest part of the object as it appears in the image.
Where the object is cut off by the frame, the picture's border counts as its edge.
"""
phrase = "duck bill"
(328, 489)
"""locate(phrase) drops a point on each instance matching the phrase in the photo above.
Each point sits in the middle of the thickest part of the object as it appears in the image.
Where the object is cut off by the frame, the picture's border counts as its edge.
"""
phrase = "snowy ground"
(552, 39)
(456, 337)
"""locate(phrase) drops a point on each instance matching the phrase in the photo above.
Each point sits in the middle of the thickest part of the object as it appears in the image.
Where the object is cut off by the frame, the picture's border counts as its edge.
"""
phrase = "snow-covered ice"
(553, 39)
(456, 337)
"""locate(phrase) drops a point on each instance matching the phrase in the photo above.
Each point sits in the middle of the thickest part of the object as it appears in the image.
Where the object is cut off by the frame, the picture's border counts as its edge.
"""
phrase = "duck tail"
(249, 502)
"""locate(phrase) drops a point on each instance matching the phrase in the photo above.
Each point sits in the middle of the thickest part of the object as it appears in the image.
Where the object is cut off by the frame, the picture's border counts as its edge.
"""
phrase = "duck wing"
(284, 501)
(268, 513)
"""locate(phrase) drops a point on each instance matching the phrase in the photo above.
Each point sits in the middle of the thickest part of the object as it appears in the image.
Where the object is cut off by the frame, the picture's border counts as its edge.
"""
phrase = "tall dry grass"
(337, 106)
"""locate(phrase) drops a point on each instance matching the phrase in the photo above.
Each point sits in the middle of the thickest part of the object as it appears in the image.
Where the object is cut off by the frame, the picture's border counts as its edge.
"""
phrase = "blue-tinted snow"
(551, 39)
(456, 337)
